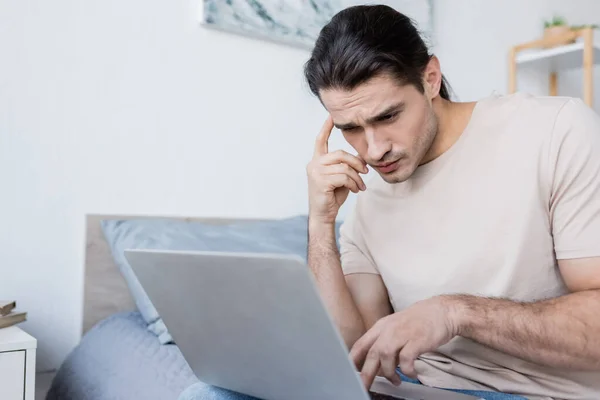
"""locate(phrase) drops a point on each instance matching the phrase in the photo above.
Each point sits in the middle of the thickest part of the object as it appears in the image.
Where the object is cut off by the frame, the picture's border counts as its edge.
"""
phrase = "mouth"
(389, 167)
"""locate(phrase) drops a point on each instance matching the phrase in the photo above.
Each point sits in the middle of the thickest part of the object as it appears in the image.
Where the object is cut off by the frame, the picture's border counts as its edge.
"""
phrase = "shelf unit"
(556, 57)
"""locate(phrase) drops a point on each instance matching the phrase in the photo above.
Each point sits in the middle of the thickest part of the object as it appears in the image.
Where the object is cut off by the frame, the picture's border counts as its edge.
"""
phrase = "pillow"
(287, 236)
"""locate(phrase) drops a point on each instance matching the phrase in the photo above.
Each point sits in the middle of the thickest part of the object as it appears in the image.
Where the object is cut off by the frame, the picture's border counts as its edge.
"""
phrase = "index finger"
(321, 146)
(358, 352)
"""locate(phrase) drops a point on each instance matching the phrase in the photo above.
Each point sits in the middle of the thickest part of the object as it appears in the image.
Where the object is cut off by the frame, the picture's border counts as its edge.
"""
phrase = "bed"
(118, 357)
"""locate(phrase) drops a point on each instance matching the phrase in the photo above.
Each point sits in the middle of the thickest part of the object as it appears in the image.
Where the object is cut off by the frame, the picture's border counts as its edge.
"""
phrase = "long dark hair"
(361, 42)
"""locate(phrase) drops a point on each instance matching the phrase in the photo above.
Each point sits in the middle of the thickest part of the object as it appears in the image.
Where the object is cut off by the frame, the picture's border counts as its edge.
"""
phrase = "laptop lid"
(254, 324)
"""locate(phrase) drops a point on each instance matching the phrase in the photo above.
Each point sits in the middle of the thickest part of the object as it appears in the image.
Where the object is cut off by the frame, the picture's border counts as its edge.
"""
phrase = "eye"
(388, 117)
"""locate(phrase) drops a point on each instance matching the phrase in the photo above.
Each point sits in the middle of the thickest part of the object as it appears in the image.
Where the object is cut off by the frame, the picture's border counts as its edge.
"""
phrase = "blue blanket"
(119, 359)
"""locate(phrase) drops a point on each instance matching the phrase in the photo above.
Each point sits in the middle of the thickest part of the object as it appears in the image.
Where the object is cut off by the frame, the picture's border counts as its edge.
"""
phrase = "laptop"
(255, 324)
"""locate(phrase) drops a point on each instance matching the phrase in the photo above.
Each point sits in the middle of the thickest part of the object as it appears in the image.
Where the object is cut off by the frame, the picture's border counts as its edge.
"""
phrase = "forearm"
(562, 332)
(324, 262)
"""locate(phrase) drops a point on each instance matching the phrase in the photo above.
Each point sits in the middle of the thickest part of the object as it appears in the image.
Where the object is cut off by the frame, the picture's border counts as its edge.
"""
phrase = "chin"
(400, 175)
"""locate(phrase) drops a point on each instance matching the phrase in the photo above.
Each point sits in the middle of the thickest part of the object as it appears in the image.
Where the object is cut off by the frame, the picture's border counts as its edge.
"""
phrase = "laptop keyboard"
(379, 396)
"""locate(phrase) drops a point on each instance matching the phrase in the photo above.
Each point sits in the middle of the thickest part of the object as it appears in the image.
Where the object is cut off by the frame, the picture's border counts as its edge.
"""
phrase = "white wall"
(132, 107)
(473, 39)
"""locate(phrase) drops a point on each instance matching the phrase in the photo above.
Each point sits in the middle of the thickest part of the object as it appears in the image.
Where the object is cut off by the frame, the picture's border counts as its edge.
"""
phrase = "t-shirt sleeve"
(575, 182)
(355, 257)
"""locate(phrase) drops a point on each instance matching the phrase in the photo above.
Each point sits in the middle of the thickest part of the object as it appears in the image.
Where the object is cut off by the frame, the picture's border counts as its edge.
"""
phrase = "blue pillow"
(287, 236)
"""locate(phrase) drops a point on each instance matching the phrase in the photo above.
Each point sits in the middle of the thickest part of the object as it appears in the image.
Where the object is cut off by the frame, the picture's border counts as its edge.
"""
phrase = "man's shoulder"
(528, 120)
(525, 105)
(559, 114)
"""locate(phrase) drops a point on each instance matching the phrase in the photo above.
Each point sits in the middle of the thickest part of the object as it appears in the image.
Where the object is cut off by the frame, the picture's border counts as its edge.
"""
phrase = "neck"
(452, 119)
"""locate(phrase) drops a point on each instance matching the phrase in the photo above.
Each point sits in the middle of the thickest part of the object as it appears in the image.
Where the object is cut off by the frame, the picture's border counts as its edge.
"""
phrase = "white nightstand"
(17, 364)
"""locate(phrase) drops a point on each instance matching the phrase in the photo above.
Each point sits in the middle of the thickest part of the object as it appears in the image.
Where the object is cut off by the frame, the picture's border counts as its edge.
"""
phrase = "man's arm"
(355, 302)
(562, 332)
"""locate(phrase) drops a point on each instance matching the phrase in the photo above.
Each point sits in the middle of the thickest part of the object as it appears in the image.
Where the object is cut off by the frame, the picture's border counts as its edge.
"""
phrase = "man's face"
(390, 126)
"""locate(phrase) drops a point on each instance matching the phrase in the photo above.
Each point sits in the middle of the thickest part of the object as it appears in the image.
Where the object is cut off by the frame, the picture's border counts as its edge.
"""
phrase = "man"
(472, 259)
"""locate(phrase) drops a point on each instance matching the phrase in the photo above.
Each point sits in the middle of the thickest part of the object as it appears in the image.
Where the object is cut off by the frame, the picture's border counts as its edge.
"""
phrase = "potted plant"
(557, 27)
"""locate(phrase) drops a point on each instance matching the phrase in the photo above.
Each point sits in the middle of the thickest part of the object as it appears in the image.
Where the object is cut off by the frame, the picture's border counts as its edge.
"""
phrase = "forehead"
(365, 100)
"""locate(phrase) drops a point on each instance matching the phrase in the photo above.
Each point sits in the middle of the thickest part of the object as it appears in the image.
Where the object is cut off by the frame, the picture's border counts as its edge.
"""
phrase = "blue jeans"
(202, 391)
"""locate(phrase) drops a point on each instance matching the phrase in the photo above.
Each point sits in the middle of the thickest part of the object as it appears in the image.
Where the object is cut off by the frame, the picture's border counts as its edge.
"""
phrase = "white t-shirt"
(489, 217)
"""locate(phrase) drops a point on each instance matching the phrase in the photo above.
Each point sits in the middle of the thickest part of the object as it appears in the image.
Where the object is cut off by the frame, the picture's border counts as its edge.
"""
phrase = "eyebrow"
(396, 108)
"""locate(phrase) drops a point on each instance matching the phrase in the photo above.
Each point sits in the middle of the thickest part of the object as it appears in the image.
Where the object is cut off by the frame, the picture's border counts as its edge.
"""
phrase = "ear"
(432, 78)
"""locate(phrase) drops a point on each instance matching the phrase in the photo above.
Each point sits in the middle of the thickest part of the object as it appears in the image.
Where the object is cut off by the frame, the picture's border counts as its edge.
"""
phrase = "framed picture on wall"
(295, 22)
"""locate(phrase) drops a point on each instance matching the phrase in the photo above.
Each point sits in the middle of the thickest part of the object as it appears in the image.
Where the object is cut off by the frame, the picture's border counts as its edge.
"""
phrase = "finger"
(389, 362)
(342, 180)
(340, 156)
(361, 347)
(397, 382)
(370, 368)
(345, 169)
(388, 347)
(407, 357)
(321, 146)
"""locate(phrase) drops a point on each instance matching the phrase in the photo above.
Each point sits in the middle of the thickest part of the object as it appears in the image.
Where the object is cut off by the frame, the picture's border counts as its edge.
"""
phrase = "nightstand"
(17, 364)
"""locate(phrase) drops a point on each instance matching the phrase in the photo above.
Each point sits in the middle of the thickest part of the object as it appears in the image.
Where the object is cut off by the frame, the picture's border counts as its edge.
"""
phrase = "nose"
(377, 146)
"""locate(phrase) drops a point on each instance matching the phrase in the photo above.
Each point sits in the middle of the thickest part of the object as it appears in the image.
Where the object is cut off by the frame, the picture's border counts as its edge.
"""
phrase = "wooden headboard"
(105, 290)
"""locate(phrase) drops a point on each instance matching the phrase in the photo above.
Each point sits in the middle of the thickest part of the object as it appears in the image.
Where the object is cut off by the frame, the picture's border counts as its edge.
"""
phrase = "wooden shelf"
(559, 58)
(551, 55)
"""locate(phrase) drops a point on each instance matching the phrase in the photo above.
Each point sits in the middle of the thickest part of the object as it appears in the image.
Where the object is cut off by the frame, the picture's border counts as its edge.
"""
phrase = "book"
(12, 318)
(6, 307)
